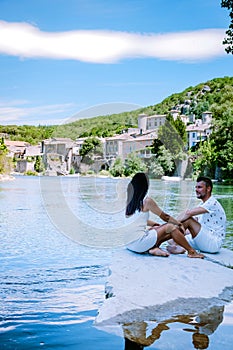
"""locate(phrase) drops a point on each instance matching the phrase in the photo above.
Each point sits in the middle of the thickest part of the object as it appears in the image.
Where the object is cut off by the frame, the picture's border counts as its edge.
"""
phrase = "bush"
(104, 172)
(31, 173)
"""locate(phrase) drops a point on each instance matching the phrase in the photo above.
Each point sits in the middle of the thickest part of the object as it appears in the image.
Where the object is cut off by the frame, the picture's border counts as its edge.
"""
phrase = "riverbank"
(106, 174)
(5, 177)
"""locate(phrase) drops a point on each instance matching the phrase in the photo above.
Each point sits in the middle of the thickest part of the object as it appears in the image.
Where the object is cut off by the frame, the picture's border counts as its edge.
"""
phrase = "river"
(55, 256)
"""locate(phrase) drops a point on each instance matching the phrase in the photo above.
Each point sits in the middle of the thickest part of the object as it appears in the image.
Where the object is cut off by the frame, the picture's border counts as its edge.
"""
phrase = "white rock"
(141, 286)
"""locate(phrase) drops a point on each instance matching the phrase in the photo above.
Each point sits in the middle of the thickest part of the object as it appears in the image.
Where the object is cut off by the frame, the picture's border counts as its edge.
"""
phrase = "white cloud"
(18, 112)
(27, 41)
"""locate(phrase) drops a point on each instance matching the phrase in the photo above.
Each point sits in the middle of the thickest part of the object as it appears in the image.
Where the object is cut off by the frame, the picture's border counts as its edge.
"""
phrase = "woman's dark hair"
(136, 191)
(206, 180)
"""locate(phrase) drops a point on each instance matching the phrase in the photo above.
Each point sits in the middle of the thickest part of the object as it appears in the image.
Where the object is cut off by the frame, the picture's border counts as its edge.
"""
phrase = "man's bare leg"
(193, 226)
(174, 248)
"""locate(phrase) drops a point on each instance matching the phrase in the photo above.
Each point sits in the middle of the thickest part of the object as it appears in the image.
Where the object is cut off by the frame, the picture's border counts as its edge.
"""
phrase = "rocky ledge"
(143, 287)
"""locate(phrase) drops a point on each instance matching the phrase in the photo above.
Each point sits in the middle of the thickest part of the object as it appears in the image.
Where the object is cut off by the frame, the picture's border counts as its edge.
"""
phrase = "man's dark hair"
(206, 180)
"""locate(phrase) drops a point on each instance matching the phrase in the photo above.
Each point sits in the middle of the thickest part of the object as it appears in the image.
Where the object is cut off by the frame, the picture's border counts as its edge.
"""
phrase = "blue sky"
(60, 58)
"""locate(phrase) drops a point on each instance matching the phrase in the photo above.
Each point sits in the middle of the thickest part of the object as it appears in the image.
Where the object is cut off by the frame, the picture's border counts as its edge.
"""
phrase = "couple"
(205, 233)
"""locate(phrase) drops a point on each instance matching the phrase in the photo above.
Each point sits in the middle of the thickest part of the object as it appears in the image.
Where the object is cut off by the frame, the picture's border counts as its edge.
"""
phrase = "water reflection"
(143, 334)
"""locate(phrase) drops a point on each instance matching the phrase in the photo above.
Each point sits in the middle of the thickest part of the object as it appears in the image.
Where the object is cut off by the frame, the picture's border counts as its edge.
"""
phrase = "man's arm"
(191, 212)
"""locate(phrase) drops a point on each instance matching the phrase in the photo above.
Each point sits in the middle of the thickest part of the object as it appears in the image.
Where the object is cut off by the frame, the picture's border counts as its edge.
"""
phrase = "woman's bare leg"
(158, 252)
(163, 235)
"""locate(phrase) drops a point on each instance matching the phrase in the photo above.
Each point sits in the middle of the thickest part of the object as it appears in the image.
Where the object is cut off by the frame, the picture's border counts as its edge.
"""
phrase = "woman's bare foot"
(158, 252)
(193, 254)
(175, 249)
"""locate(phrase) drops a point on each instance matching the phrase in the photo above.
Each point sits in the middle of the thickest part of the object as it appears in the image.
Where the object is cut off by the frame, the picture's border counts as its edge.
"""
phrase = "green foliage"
(181, 129)
(3, 148)
(162, 163)
(205, 158)
(104, 126)
(166, 159)
(170, 138)
(27, 133)
(39, 165)
(5, 162)
(118, 168)
(222, 139)
(155, 168)
(72, 171)
(133, 165)
(228, 4)
(130, 166)
(199, 108)
(89, 145)
(31, 173)
(218, 150)
(155, 146)
(104, 172)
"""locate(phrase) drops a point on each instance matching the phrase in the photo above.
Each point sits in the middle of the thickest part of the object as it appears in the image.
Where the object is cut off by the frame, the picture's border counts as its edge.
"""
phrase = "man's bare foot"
(193, 254)
(158, 252)
(175, 249)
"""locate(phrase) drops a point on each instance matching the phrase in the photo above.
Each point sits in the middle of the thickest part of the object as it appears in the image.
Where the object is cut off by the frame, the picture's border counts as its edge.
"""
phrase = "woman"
(139, 205)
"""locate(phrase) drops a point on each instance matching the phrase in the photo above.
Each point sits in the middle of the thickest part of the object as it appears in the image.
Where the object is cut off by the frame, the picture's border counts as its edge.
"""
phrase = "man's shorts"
(205, 241)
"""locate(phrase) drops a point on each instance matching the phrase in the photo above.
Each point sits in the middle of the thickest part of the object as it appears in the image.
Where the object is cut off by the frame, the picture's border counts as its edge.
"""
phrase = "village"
(60, 155)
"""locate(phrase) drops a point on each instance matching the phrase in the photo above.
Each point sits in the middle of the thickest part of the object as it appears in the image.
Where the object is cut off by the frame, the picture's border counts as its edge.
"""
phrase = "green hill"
(215, 95)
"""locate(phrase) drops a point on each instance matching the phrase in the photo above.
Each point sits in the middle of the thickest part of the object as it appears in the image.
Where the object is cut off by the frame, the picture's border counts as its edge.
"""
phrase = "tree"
(170, 137)
(181, 129)
(5, 162)
(89, 145)
(162, 163)
(39, 166)
(155, 146)
(155, 168)
(166, 160)
(133, 164)
(117, 169)
(205, 158)
(199, 108)
(228, 4)
(222, 139)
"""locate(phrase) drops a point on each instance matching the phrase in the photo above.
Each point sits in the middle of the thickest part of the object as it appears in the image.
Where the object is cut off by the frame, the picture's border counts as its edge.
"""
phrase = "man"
(207, 230)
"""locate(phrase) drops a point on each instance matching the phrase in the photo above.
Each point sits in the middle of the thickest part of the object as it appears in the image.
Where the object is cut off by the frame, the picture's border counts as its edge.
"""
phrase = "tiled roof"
(10, 143)
(120, 137)
(201, 127)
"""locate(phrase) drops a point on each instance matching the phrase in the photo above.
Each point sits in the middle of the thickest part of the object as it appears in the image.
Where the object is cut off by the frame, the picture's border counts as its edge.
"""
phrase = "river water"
(56, 247)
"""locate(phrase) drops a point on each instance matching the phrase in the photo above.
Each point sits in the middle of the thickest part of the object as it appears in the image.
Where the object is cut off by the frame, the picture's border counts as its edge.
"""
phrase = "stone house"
(57, 155)
(24, 154)
(197, 132)
(151, 122)
(16, 149)
(200, 130)
(27, 162)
